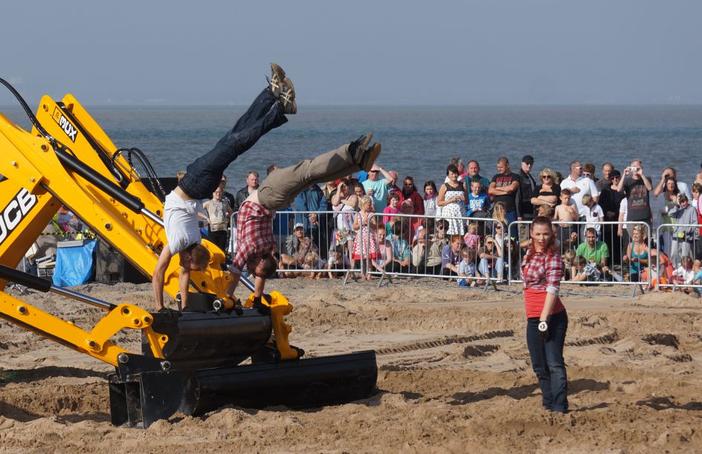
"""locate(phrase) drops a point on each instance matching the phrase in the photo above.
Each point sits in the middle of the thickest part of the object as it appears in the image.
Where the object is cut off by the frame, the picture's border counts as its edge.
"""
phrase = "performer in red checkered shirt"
(203, 176)
(254, 227)
(547, 320)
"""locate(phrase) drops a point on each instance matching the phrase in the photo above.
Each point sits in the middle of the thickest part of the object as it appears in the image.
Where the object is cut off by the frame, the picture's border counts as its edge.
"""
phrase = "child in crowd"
(684, 274)
(592, 213)
(338, 261)
(697, 278)
(384, 257)
(365, 246)
(430, 206)
(466, 269)
(420, 251)
(392, 208)
(569, 263)
(437, 241)
(311, 263)
(546, 211)
(499, 213)
(478, 201)
(564, 213)
(401, 253)
(472, 239)
(585, 271)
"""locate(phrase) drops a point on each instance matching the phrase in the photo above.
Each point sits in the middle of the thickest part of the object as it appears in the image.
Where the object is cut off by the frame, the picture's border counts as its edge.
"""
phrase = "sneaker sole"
(371, 156)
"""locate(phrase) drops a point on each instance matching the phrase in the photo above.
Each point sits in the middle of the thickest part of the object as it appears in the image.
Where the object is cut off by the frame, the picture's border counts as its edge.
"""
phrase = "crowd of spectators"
(462, 226)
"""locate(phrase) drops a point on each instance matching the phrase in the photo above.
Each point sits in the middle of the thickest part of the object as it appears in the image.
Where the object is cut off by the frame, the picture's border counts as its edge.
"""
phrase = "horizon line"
(313, 105)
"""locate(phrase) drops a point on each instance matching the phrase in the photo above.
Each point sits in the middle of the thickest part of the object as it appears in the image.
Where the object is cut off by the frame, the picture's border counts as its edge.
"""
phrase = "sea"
(420, 141)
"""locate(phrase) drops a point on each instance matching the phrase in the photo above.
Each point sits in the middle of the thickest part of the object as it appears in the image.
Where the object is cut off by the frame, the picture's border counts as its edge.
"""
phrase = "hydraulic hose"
(68, 160)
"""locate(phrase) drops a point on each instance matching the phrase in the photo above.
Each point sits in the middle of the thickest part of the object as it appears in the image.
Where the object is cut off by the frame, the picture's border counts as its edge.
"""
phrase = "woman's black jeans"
(547, 360)
(205, 173)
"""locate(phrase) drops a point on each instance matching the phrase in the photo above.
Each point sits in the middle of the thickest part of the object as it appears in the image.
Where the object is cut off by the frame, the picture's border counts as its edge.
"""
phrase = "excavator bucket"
(201, 369)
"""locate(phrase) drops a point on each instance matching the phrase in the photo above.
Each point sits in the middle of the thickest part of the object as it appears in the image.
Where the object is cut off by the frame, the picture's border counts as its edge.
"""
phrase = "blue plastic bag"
(74, 265)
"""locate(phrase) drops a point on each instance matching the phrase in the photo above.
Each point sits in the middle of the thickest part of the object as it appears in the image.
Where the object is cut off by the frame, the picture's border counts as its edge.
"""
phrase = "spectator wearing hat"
(527, 188)
(297, 246)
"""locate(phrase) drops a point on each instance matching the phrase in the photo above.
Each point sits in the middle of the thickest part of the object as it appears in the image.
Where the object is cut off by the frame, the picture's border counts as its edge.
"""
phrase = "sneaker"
(287, 97)
(276, 80)
(364, 154)
(370, 156)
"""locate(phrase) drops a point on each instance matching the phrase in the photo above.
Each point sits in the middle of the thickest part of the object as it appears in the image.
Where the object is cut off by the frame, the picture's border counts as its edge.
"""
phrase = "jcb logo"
(70, 130)
(15, 211)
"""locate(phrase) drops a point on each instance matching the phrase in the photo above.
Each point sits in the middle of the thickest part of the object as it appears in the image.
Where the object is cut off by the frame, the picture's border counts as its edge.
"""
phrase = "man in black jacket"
(243, 193)
(527, 189)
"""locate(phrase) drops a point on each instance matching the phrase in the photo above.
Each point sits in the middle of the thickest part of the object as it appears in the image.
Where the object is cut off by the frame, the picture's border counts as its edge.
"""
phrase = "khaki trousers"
(280, 188)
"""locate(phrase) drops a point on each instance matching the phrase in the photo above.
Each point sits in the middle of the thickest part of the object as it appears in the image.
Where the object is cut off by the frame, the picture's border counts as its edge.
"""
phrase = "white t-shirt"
(592, 216)
(585, 186)
(181, 223)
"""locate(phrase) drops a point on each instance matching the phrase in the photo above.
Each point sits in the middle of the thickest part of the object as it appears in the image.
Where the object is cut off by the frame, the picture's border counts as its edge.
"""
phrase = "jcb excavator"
(191, 361)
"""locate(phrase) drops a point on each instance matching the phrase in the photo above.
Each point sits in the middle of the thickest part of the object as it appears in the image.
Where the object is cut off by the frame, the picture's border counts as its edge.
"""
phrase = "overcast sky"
(356, 52)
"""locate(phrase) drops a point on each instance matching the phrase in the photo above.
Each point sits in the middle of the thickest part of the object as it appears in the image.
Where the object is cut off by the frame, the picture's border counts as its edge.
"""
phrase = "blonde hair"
(550, 172)
(499, 212)
(311, 258)
(366, 199)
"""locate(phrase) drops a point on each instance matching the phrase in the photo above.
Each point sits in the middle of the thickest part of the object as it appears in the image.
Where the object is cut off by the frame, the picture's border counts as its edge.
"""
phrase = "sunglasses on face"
(544, 177)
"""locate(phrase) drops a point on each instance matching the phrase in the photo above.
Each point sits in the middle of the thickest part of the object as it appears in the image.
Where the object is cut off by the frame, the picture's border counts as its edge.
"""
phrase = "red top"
(254, 232)
(541, 273)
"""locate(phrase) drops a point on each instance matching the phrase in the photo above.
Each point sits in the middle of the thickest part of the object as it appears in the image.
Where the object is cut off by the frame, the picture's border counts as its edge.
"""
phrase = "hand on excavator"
(263, 306)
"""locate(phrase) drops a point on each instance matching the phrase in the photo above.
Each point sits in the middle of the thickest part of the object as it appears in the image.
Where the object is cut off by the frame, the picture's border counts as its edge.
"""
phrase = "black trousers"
(205, 173)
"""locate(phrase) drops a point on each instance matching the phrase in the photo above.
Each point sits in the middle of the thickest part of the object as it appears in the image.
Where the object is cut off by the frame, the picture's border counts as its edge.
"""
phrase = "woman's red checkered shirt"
(254, 232)
(541, 271)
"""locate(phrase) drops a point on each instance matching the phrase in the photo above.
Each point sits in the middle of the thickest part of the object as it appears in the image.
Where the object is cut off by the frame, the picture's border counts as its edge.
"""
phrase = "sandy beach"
(454, 376)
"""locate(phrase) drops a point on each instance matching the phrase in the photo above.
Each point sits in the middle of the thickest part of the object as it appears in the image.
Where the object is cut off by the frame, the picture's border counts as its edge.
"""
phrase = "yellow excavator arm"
(190, 361)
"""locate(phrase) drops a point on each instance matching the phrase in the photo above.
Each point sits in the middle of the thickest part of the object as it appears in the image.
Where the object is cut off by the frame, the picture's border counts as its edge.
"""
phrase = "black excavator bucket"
(202, 371)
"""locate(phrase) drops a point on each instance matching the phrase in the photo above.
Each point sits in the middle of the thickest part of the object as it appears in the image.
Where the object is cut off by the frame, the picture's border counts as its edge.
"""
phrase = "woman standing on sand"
(547, 320)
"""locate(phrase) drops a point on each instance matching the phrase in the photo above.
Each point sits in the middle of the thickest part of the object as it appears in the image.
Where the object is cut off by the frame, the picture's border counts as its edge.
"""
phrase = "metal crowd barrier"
(309, 252)
(414, 246)
(616, 236)
(419, 246)
(678, 243)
